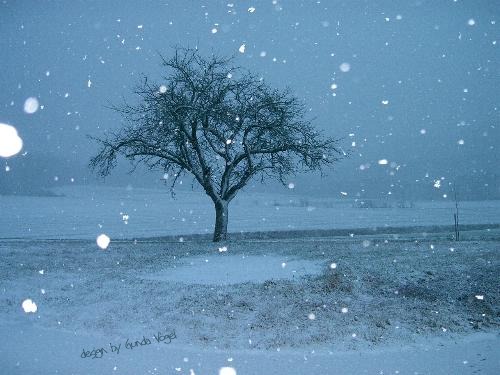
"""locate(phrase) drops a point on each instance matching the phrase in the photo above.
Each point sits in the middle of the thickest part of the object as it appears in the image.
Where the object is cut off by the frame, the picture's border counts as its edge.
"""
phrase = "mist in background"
(411, 88)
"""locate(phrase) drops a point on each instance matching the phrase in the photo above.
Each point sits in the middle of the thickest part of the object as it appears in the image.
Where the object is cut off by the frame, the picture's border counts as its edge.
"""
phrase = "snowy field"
(83, 212)
(352, 303)
(343, 306)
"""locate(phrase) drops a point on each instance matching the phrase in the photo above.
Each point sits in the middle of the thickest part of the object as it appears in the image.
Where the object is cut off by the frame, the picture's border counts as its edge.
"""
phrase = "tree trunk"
(221, 218)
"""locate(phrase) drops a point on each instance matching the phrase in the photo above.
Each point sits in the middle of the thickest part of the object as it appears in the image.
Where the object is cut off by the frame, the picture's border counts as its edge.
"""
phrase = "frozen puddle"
(234, 269)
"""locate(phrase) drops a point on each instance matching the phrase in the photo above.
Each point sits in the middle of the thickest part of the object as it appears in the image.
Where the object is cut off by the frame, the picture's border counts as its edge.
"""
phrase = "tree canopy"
(219, 123)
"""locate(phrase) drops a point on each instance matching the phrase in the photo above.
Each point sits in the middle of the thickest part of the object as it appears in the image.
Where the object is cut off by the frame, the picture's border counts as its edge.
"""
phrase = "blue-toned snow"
(84, 212)
(233, 269)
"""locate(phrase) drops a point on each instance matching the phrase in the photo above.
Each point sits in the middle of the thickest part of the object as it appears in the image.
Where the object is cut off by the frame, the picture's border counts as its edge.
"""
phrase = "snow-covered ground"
(83, 212)
(393, 303)
(373, 306)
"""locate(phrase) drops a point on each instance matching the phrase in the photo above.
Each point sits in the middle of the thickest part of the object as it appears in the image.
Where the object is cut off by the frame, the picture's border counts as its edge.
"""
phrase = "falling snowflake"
(29, 306)
(242, 48)
(222, 249)
(479, 297)
(471, 22)
(437, 184)
(10, 142)
(227, 371)
(333, 266)
(383, 162)
(344, 310)
(31, 105)
(163, 89)
(103, 241)
(291, 185)
(311, 316)
(385, 102)
(251, 9)
(345, 67)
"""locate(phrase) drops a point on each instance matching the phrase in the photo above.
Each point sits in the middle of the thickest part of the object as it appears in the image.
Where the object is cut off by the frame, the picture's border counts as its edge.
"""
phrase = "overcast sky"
(413, 82)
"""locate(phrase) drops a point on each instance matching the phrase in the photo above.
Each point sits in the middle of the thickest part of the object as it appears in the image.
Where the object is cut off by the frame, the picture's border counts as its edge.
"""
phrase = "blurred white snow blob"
(461, 142)
(291, 185)
(471, 22)
(103, 241)
(214, 30)
(29, 306)
(437, 184)
(283, 265)
(344, 310)
(366, 243)
(242, 48)
(31, 105)
(423, 131)
(311, 316)
(222, 249)
(382, 162)
(10, 142)
(251, 9)
(345, 67)
(343, 193)
(385, 102)
(89, 83)
(479, 297)
(333, 86)
(333, 266)
(227, 371)
(163, 89)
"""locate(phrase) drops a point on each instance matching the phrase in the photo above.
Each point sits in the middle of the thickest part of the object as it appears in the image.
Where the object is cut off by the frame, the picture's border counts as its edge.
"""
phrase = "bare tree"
(219, 123)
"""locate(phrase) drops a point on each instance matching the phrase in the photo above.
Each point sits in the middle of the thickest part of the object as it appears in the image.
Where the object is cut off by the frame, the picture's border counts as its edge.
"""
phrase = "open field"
(382, 293)
(83, 212)
(303, 284)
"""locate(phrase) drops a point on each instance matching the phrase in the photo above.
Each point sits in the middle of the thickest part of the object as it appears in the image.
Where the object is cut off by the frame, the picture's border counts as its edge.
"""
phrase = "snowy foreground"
(337, 305)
